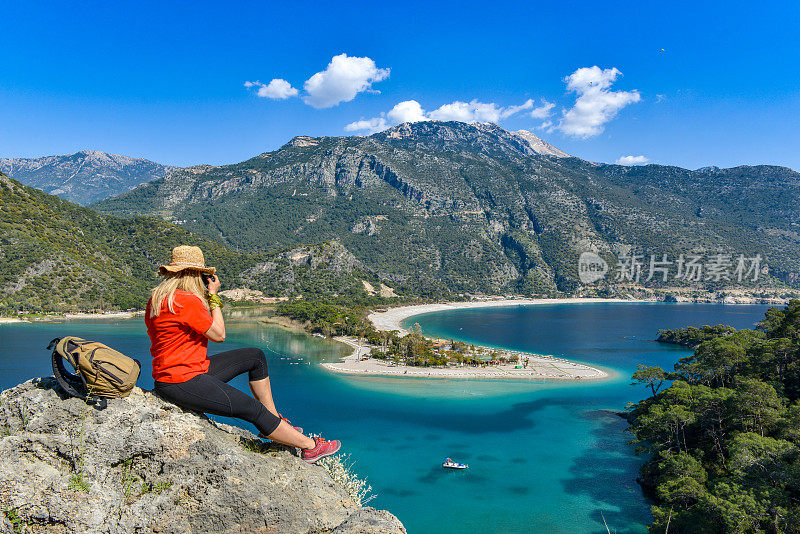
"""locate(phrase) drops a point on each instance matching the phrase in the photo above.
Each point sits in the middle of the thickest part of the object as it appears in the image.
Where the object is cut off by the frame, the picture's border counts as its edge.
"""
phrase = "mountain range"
(434, 207)
(83, 177)
(56, 256)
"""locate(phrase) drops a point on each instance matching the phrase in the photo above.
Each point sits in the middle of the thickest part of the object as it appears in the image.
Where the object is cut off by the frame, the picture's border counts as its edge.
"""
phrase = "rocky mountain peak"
(303, 141)
(448, 130)
(708, 170)
(486, 136)
(539, 145)
(85, 176)
(100, 159)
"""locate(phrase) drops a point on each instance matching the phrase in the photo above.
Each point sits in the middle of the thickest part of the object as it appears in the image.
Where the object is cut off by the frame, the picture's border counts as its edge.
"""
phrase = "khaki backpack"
(102, 372)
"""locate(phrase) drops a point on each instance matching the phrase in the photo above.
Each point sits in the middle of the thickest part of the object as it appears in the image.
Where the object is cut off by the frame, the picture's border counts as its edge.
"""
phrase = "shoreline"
(390, 320)
(54, 318)
(110, 315)
(540, 367)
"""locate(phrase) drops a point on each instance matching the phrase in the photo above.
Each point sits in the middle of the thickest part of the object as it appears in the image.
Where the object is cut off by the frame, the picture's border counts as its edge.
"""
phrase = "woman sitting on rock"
(182, 315)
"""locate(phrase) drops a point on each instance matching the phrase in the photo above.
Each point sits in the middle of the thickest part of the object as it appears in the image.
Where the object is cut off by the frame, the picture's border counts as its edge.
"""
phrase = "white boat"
(450, 464)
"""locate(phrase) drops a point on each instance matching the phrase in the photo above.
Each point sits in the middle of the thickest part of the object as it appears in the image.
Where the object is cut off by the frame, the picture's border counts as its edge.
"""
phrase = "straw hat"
(186, 257)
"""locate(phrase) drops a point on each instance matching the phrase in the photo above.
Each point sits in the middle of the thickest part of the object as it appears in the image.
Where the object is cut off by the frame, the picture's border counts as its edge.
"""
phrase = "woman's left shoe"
(322, 448)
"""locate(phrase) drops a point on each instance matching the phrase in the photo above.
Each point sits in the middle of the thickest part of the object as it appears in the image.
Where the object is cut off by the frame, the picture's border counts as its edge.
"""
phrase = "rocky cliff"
(144, 465)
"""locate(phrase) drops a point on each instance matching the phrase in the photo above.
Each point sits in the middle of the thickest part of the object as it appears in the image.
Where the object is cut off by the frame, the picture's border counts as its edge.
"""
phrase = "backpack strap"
(69, 382)
(72, 382)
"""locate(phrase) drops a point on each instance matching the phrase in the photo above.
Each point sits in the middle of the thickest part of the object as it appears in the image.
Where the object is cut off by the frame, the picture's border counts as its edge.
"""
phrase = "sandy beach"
(540, 367)
(10, 320)
(111, 315)
(391, 319)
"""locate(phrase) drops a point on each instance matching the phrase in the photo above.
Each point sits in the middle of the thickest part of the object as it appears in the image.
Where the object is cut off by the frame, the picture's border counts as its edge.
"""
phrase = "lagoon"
(544, 456)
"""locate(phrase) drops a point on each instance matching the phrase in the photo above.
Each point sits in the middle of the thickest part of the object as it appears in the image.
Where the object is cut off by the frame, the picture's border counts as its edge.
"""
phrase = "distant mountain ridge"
(84, 177)
(449, 206)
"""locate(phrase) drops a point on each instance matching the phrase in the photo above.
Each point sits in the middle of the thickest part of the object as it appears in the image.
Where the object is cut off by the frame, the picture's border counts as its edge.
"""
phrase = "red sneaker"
(322, 448)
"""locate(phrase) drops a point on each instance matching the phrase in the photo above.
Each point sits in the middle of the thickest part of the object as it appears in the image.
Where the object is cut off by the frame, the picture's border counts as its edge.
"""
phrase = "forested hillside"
(459, 207)
(57, 256)
(725, 436)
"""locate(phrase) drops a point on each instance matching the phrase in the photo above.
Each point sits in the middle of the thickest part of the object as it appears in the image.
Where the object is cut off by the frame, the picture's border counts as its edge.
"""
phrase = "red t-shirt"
(177, 343)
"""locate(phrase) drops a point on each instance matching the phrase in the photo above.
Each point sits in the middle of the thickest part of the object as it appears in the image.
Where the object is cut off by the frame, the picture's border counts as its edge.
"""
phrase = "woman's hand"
(213, 284)
(217, 331)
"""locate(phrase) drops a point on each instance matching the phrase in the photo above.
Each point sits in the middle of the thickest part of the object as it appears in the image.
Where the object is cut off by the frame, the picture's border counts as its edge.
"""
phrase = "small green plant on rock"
(18, 525)
(133, 486)
(128, 481)
(25, 418)
(261, 447)
(157, 489)
(78, 480)
(6, 430)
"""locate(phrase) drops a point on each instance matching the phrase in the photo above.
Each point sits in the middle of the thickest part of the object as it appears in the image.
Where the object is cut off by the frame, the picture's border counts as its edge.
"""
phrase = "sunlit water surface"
(543, 456)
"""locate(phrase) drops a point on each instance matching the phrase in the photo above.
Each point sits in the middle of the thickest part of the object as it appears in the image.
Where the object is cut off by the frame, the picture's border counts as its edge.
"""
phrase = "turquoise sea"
(544, 456)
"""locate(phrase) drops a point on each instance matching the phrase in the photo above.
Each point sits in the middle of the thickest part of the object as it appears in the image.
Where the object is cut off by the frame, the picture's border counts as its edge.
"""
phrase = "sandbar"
(539, 367)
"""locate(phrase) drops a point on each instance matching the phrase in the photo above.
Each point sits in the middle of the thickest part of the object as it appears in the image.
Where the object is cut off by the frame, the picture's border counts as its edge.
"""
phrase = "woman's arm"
(216, 332)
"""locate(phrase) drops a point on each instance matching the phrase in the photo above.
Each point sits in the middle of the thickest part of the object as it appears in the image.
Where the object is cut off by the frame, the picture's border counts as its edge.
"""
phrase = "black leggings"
(210, 393)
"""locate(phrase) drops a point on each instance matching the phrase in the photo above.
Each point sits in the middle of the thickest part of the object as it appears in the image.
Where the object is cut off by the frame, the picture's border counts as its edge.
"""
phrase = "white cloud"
(513, 110)
(412, 111)
(596, 103)
(277, 89)
(543, 111)
(407, 111)
(475, 111)
(342, 80)
(371, 126)
(633, 160)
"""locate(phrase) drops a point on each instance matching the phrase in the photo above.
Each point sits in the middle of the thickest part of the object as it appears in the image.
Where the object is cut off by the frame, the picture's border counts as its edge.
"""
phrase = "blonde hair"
(189, 280)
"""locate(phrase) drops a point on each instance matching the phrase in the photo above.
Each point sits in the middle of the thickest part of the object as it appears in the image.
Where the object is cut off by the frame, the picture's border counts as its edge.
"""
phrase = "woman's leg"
(229, 364)
(208, 394)
(262, 391)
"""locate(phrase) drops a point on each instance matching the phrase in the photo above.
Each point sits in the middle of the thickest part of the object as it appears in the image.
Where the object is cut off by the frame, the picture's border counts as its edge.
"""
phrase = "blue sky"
(165, 80)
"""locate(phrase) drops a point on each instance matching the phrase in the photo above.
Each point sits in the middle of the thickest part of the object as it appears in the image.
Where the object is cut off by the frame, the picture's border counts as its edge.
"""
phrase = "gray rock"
(370, 521)
(145, 465)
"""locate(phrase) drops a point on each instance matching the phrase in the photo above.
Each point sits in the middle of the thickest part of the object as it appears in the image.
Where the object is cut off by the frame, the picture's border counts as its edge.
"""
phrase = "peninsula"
(505, 364)
(400, 352)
